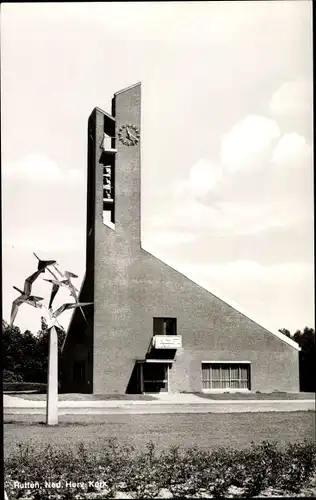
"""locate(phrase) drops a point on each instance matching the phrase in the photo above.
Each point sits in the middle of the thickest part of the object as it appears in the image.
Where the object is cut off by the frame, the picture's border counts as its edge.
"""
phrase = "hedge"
(120, 470)
(23, 386)
(10, 376)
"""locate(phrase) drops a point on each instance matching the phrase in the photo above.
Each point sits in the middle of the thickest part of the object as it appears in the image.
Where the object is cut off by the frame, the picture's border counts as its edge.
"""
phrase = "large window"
(165, 326)
(225, 376)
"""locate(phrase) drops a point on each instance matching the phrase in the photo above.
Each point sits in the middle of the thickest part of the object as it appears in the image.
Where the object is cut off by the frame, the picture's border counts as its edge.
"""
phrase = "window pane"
(235, 372)
(216, 384)
(158, 326)
(244, 372)
(216, 373)
(206, 372)
(225, 384)
(170, 326)
(225, 372)
(244, 384)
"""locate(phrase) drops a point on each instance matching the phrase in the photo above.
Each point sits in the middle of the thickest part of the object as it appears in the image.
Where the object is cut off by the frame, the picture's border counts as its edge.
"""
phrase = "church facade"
(150, 328)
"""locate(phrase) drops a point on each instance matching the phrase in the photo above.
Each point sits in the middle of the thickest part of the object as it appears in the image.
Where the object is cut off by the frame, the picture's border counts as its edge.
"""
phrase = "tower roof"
(127, 88)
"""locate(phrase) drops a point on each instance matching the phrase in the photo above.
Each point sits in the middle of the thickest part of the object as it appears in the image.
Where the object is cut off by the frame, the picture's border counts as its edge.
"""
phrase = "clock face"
(128, 134)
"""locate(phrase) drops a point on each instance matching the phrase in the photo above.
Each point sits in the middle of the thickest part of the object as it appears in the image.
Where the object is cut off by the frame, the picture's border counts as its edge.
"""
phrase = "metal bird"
(66, 282)
(66, 275)
(56, 285)
(53, 315)
(31, 300)
(28, 283)
(42, 264)
(25, 296)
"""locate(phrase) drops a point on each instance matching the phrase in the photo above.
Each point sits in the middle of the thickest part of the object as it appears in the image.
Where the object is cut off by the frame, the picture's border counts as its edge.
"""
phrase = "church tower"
(112, 238)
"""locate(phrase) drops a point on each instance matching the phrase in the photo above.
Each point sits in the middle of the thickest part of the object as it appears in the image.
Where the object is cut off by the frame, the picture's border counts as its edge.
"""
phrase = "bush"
(298, 464)
(9, 376)
(256, 468)
(23, 386)
(183, 473)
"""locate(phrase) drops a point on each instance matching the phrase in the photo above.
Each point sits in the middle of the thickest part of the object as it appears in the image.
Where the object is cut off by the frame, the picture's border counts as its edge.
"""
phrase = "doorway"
(79, 374)
(153, 377)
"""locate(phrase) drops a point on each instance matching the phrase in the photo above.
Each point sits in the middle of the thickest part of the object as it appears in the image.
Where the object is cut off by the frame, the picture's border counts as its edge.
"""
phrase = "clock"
(128, 134)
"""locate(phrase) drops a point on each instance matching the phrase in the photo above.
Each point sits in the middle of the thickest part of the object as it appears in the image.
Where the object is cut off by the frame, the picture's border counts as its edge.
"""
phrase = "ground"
(204, 430)
(33, 396)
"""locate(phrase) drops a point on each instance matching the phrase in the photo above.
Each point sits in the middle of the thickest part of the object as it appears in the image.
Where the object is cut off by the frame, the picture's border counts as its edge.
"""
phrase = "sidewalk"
(164, 399)
(166, 403)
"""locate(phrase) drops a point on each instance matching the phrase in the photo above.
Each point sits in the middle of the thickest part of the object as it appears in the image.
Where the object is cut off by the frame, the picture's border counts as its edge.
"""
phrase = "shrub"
(9, 376)
(298, 464)
(143, 475)
(256, 468)
(23, 386)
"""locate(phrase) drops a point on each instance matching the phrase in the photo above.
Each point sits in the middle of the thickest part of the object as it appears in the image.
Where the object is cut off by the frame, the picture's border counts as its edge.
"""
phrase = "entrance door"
(79, 374)
(155, 377)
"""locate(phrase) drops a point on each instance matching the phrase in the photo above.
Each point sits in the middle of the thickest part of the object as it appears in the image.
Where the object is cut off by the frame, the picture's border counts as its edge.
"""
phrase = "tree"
(26, 354)
(307, 357)
(285, 332)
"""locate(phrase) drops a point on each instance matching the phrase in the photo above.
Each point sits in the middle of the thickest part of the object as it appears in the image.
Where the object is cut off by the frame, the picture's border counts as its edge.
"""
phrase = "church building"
(150, 328)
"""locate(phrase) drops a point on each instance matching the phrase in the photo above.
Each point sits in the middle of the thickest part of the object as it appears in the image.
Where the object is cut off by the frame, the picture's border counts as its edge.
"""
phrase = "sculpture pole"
(52, 379)
(26, 297)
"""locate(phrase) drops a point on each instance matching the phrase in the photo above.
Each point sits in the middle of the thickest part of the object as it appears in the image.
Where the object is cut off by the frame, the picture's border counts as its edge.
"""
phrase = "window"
(225, 376)
(165, 326)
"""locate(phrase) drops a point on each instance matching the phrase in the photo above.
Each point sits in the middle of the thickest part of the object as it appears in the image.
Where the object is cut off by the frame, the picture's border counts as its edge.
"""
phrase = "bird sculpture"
(64, 280)
(57, 283)
(43, 264)
(25, 296)
(53, 315)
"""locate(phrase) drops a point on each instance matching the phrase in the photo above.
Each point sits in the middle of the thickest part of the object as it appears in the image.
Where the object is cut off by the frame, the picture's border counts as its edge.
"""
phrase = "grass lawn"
(258, 396)
(85, 397)
(186, 430)
(33, 396)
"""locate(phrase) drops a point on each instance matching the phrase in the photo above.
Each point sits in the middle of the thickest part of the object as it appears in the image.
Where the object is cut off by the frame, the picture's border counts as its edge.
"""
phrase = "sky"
(226, 144)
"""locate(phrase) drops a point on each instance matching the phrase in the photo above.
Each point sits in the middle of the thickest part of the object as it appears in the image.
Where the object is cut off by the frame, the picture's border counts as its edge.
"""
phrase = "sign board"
(167, 341)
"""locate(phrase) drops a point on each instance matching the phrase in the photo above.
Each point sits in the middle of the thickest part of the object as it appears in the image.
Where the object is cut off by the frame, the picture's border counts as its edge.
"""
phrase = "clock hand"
(128, 134)
(133, 137)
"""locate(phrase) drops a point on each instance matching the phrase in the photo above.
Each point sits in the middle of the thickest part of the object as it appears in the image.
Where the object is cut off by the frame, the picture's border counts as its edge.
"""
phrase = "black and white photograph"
(158, 313)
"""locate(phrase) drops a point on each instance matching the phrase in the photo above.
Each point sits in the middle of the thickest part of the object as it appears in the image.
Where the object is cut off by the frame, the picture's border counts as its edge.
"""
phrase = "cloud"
(204, 176)
(233, 218)
(292, 99)
(283, 273)
(35, 168)
(292, 150)
(249, 192)
(248, 142)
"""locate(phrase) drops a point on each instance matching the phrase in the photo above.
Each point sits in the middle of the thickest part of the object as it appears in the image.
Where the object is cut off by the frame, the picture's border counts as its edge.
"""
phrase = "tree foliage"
(25, 355)
(307, 357)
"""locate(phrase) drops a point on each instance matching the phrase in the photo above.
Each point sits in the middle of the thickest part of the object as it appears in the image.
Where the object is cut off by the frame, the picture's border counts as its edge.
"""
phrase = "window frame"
(209, 382)
(164, 319)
